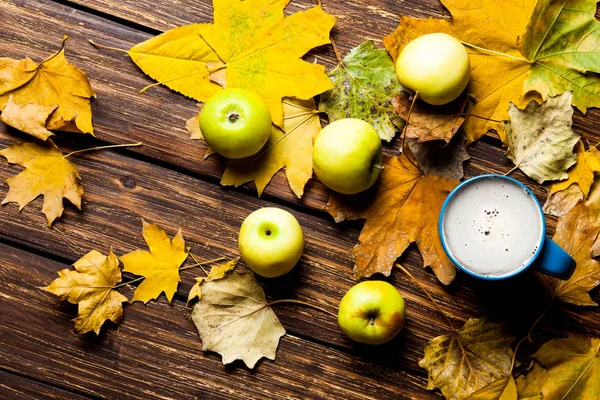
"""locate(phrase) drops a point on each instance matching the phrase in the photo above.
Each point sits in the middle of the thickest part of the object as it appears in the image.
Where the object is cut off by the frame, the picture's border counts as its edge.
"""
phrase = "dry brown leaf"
(47, 173)
(560, 203)
(261, 50)
(540, 139)
(215, 273)
(159, 266)
(52, 83)
(577, 232)
(495, 80)
(92, 287)
(573, 366)
(234, 319)
(429, 122)
(468, 359)
(440, 158)
(291, 150)
(402, 208)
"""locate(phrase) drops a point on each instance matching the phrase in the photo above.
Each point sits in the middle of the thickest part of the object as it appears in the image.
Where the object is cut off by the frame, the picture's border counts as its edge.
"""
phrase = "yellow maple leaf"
(216, 272)
(402, 208)
(92, 287)
(291, 149)
(52, 83)
(261, 49)
(177, 59)
(495, 80)
(159, 266)
(582, 173)
(47, 172)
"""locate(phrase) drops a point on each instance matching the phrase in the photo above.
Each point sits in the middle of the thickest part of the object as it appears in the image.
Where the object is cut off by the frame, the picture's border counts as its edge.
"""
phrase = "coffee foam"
(492, 226)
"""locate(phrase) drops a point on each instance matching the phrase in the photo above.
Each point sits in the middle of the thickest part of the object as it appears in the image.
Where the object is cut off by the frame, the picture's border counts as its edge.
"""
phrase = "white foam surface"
(492, 227)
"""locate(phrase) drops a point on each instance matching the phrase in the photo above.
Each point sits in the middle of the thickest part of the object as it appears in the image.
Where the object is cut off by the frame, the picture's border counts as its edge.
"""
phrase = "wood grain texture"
(18, 387)
(156, 353)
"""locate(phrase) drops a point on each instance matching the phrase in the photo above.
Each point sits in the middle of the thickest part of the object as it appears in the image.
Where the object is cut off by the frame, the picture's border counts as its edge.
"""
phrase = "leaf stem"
(101, 46)
(336, 51)
(62, 46)
(497, 53)
(200, 264)
(113, 146)
(129, 282)
(436, 305)
(403, 135)
(478, 116)
(512, 170)
(316, 307)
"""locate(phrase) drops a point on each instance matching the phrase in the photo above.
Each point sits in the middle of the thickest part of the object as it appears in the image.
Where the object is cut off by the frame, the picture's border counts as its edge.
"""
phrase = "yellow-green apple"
(271, 241)
(436, 66)
(347, 156)
(372, 312)
(235, 123)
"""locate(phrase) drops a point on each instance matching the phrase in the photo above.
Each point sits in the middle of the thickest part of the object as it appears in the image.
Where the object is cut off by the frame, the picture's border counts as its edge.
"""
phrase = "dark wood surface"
(155, 352)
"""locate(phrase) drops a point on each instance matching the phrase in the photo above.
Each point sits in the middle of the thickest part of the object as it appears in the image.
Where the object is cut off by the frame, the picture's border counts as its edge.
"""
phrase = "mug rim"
(441, 231)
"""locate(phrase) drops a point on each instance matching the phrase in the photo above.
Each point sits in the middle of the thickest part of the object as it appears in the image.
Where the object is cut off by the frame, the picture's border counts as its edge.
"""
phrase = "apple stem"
(101, 46)
(316, 307)
(113, 146)
(435, 303)
(497, 53)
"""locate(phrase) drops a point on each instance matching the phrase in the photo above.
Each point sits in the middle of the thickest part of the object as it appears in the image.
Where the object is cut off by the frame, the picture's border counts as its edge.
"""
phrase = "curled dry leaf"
(577, 232)
(502, 389)
(92, 287)
(51, 95)
(540, 139)
(440, 158)
(495, 80)
(364, 83)
(468, 359)
(290, 149)
(562, 40)
(216, 272)
(573, 366)
(260, 49)
(177, 59)
(403, 207)
(582, 173)
(234, 319)
(561, 202)
(529, 387)
(429, 122)
(159, 266)
(47, 173)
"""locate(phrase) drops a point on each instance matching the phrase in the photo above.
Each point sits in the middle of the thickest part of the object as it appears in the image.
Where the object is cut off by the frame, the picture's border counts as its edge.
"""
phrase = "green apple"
(372, 312)
(271, 242)
(235, 123)
(347, 156)
(436, 66)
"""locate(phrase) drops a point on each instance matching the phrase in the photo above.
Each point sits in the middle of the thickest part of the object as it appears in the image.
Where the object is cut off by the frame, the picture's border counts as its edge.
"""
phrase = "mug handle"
(554, 261)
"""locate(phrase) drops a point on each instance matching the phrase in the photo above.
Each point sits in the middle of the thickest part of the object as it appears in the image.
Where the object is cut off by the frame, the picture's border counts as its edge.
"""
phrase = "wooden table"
(155, 352)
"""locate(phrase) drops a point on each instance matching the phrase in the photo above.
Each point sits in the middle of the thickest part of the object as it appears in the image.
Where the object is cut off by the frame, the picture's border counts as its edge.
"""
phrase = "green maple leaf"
(364, 85)
(563, 42)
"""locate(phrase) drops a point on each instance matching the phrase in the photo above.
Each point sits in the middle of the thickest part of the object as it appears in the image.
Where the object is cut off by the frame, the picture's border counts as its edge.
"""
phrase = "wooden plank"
(158, 117)
(156, 353)
(120, 190)
(18, 387)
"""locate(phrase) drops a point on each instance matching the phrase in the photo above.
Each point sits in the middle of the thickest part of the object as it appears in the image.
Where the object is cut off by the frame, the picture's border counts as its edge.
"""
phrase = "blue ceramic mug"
(493, 227)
